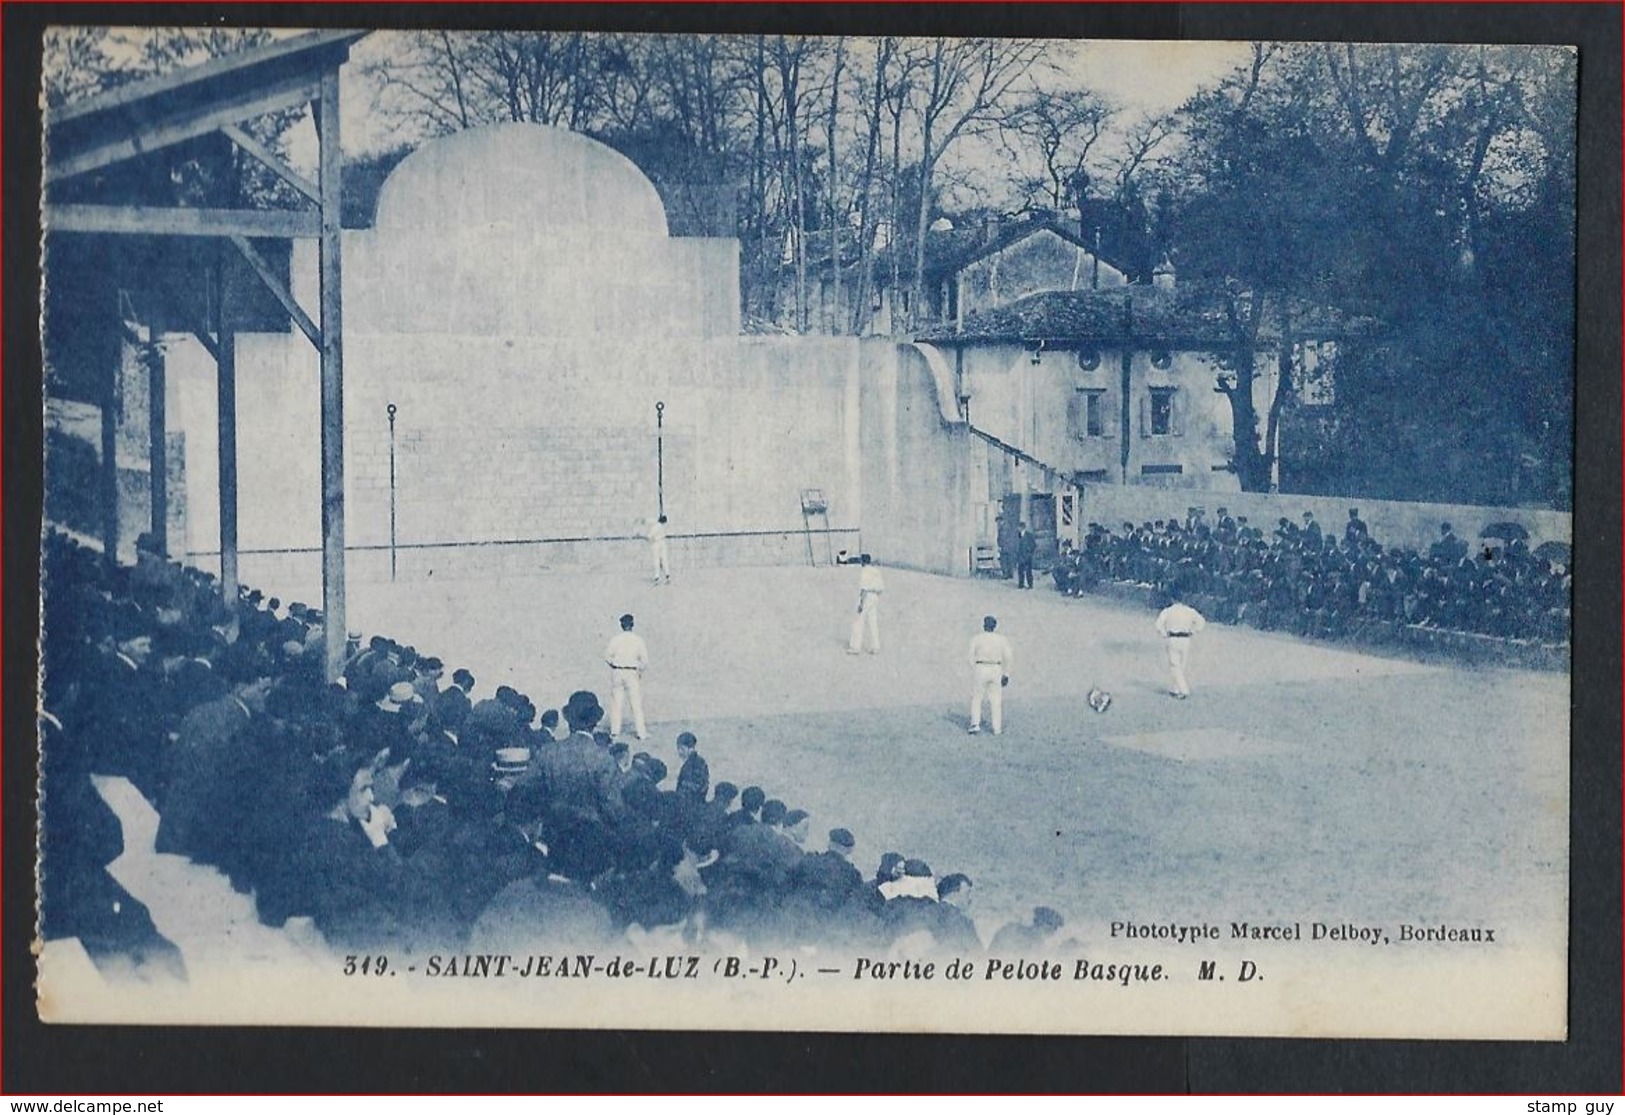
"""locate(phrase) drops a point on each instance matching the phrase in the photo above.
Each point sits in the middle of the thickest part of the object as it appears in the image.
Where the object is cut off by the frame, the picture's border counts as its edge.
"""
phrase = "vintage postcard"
(552, 529)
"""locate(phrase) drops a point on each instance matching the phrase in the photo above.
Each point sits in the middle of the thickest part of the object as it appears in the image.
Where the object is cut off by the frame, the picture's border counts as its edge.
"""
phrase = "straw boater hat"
(399, 696)
(511, 761)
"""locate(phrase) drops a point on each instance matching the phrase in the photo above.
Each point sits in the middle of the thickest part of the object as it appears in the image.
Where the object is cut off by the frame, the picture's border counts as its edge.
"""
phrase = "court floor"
(1302, 779)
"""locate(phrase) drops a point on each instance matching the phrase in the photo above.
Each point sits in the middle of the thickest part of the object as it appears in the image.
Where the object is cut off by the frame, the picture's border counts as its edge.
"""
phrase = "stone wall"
(924, 481)
(519, 440)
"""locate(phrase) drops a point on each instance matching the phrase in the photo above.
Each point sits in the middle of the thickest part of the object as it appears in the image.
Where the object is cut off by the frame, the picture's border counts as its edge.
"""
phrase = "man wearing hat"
(694, 775)
(867, 620)
(990, 658)
(825, 891)
(1449, 548)
(1026, 551)
(451, 703)
(1311, 530)
(201, 767)
(579, 777)
(387, 723)
(627, 656)
(126, 706)
(828, 880)
(1178, 624)
(1355, 531)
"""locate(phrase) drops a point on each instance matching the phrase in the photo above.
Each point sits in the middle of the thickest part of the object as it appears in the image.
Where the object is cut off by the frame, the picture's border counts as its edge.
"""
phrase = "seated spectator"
(693, 774)
(1017, 939)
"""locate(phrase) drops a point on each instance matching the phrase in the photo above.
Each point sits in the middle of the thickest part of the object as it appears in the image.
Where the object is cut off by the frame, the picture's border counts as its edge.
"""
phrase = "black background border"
(236, 1060)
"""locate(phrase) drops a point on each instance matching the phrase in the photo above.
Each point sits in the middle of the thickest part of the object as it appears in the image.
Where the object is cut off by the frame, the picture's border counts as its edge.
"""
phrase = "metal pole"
(391, 410)
(660, 455)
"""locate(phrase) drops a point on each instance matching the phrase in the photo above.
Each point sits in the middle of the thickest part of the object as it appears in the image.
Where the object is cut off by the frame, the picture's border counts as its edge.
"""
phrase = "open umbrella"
(1506, 532)
(1560, 552)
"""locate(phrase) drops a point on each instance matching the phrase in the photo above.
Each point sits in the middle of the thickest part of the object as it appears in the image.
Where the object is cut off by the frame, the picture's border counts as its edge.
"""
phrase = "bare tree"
(1062, 127)
(963, 89)
(873, 91)
(836, 211)
(1143, 143)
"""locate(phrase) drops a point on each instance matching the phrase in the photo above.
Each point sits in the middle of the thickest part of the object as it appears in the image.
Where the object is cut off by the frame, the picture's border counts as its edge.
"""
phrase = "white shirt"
(870, 580)
(909, 886)
(991, 648)
(627, 650)
(657, 533)
(1179, 619)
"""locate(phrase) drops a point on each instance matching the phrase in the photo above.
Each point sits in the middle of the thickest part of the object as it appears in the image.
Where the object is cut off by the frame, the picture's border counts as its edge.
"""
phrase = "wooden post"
(113, 354)
(332, 356)
(157, 448)
(226, 406)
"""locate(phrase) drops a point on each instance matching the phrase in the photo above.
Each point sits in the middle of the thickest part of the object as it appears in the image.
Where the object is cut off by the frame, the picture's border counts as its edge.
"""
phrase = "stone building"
(1114, 386)
(968, 270)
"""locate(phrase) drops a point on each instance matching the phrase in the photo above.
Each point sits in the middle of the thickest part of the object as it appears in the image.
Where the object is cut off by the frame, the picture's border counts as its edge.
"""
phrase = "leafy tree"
(1416, 185)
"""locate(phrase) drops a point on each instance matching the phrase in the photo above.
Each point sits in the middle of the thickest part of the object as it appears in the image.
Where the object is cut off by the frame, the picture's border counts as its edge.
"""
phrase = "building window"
(1161, 359)
(1088, 359)
(1161, 470)
(1086, 416)
(1159, 413)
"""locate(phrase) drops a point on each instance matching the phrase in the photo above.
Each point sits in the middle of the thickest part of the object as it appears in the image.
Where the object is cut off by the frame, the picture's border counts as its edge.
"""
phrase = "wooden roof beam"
(282, 293)
(132, 135)
(145, 220)
(272, 162)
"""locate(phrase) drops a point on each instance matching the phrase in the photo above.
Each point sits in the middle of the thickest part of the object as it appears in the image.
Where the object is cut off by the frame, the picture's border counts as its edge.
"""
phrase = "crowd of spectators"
(1328, 583)
(395, 809)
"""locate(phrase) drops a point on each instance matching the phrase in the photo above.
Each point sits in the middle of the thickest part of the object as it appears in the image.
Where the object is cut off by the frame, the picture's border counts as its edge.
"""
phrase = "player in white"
(990, 657)
(1178, 623)
(627, 657)
(659, 551)
(870, 585)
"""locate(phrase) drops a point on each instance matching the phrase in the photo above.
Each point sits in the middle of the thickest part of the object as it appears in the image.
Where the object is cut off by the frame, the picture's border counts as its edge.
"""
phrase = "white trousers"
(867, 619)
(989, 687)
(662, 560)
(1178, 651)
(626, 687)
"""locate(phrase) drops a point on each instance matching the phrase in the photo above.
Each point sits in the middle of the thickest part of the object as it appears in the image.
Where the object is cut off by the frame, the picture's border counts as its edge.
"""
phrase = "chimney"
(1162, 276)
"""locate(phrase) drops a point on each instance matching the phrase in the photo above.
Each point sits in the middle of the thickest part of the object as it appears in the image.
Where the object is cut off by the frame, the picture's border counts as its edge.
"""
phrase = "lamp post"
(660, 456)
(391, 409)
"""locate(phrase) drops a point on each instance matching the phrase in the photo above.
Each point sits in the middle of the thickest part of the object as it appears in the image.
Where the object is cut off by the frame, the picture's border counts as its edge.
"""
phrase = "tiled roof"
(1180, 318)
(952, 250)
